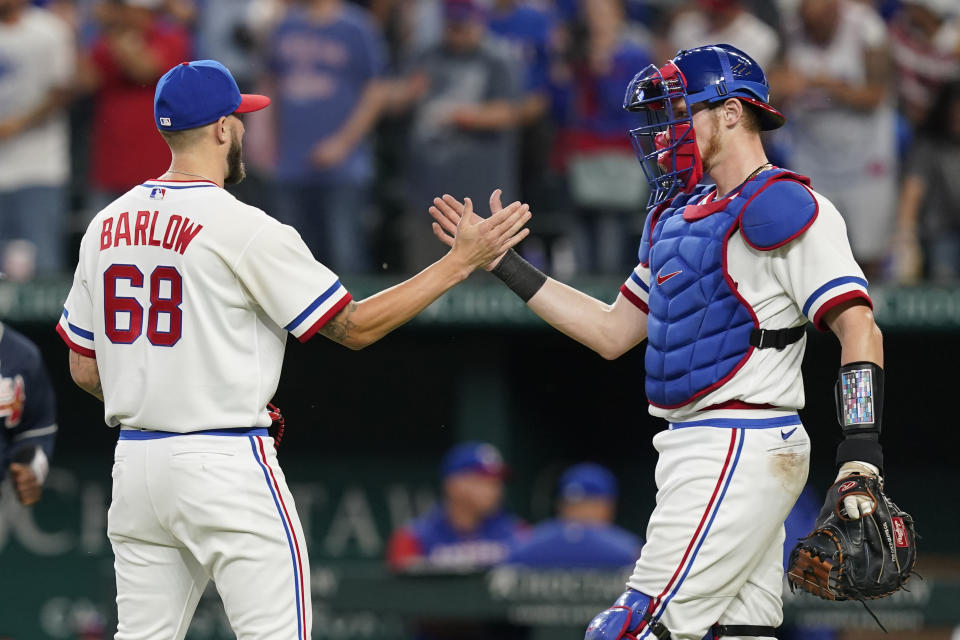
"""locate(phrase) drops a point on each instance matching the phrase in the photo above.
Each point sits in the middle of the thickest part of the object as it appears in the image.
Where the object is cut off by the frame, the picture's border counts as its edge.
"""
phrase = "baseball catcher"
(862, 546)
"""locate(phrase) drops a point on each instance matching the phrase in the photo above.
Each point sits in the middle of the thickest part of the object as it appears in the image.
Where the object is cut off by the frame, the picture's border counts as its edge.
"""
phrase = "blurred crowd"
(470, 529)
(380, 105)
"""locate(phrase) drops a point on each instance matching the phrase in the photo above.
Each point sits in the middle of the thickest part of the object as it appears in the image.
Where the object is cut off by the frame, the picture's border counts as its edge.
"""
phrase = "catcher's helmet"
(707, 74)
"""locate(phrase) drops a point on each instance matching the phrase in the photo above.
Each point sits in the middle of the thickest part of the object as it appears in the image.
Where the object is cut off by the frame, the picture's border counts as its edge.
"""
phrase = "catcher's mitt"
(845, 559)
(278, 425)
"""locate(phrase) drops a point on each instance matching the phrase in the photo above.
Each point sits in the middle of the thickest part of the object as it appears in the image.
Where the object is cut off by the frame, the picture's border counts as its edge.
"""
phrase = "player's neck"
(737, 163)
(189, 166)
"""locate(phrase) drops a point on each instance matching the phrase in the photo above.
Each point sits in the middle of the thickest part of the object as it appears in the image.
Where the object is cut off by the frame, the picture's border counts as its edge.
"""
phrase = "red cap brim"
(770, 118)
(251, 102)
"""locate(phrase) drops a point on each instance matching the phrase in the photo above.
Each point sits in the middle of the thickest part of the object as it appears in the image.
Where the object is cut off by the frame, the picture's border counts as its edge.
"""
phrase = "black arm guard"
(859, 398)
(520, 276)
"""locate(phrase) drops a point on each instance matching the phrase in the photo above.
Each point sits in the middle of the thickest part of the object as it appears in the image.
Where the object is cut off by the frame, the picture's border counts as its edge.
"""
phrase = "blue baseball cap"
(462, 11)
(587, 480)
(194, 94)
(478, 457)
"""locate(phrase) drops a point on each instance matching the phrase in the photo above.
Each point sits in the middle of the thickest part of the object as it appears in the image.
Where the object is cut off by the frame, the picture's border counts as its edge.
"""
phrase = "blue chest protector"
(698, 328)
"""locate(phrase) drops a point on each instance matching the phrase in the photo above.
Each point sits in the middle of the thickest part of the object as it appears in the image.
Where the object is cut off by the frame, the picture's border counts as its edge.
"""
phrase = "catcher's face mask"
(666, 145)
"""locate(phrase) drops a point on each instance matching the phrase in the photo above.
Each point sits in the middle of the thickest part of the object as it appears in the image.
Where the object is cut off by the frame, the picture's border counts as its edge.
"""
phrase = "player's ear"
(222, 130)
(732, 111)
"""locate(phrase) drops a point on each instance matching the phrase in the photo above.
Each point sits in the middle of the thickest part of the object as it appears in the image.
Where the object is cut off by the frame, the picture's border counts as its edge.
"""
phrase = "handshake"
(452, 217)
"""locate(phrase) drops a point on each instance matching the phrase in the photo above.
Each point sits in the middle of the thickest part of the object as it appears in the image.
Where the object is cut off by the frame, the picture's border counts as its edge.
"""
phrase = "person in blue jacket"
(583, 534)
(28, 424)
(468, 529)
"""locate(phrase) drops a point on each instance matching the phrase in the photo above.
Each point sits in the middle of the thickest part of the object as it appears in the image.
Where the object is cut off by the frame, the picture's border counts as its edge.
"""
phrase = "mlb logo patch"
(157, 193)
(165, 122)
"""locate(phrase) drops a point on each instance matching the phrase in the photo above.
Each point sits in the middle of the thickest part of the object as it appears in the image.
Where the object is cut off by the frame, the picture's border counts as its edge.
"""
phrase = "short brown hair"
(179, 140)
(751, 119)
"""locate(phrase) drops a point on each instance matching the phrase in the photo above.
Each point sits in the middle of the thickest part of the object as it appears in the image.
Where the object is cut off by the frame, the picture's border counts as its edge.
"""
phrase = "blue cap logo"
(477, 457)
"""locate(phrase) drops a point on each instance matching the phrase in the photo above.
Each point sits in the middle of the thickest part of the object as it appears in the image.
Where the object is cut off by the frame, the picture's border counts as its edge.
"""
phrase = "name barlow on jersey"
(178, 231)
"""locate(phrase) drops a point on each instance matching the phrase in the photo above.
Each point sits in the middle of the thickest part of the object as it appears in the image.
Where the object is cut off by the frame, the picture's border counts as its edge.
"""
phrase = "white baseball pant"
(190, 508)
(715, 538)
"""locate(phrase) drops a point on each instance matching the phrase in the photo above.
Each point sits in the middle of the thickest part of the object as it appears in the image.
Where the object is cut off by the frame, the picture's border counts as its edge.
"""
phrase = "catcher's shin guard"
(626, 620)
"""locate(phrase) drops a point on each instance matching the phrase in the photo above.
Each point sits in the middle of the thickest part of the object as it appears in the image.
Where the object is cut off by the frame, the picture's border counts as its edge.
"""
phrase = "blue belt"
(137, 434)
(741, 423)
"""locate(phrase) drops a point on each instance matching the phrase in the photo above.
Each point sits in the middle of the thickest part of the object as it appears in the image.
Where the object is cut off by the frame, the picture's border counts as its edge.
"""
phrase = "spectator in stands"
(37, 68)
(136, 45)
(925, 45)
(527, 31)
(583, 535)
(606, 184)
(469, 529)
(223, 34)
(710, 21)
(28, 422)
(462, 139)
(835, 90)
(327, 58)
(928, 221)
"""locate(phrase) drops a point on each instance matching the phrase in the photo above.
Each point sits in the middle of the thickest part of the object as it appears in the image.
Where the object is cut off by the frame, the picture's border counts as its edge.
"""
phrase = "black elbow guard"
(859, 397)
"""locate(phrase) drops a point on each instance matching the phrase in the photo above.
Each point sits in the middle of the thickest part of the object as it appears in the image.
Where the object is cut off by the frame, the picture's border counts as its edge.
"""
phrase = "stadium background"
(366, 431)
(477, 365)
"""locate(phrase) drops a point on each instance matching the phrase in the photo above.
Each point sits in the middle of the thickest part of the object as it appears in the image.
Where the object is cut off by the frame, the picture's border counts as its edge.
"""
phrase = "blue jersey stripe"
(151, 185)
(313, 306)
(83, 333)
(741, 423)
(136, 434)
(286, 529)
(636, 278)
(836, 282)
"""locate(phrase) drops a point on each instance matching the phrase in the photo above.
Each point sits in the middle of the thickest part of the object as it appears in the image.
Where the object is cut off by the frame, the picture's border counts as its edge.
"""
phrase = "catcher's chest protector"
(699, 327)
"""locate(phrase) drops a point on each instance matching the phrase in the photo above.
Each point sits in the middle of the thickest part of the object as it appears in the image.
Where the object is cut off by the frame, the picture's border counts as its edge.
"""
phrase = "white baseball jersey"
(799, 281)
(184, 295)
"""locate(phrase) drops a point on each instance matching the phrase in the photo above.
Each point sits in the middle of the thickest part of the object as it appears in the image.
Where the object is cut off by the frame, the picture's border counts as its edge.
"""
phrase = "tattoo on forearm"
(97, 391)
(340, 326)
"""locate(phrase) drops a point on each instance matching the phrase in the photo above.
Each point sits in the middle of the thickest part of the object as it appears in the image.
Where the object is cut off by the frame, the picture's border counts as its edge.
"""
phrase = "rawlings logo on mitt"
(846, 559)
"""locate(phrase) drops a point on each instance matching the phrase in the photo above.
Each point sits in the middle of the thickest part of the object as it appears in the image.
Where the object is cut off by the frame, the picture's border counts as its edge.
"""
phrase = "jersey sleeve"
(297, 292)
(818, 269)
(76, 321)
(637, 287)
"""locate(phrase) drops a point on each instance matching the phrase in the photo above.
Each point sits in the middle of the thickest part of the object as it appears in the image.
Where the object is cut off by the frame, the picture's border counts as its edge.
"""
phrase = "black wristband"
(863, 447)
(859, 398)
(520, 276)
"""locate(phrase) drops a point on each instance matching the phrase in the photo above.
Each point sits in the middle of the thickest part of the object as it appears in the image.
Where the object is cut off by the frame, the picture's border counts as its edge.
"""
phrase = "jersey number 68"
(166, 294)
